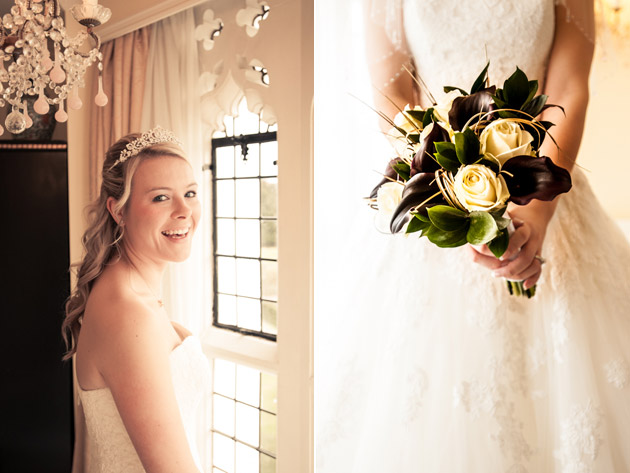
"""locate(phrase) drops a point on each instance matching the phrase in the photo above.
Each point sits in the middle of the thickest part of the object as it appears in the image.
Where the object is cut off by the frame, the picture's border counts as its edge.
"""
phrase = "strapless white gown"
(110, 448)
(457, 376)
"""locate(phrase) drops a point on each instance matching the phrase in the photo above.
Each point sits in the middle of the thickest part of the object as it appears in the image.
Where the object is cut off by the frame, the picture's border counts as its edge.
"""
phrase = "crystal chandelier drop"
(37, 58)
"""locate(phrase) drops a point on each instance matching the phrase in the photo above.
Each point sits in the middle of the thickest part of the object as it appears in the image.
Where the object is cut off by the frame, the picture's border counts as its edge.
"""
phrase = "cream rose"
(388, 197)
(503, 139)
(406, 123)
(444, 105)
(477, 187)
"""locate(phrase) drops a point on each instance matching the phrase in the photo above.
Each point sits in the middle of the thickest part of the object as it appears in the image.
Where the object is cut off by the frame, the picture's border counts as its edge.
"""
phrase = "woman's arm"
(134, 350)
(566, 84)
(391, 83)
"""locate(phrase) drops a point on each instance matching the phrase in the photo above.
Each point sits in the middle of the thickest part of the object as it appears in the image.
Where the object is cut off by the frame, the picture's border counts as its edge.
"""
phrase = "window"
(244, 419)
(245, 196)
(244, 179)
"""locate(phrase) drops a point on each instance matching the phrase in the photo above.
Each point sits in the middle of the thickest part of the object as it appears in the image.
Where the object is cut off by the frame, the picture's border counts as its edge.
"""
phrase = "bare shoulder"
(118, 327)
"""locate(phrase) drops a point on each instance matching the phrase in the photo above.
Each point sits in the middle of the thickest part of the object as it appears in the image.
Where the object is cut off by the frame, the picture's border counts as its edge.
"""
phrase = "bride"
(140, 377)
(446, 372)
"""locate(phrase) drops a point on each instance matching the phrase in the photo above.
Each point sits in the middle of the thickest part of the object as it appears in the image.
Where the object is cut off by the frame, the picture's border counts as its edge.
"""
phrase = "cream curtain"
(124, 76)
(172, 100)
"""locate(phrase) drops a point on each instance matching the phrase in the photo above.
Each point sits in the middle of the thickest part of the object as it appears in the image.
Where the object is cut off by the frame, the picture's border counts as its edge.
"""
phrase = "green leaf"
(402, 169)
(413, 138)
(480, 80)
(516, 89)
(535, 106)
(482, 228)
(446, 156)
(502, 222)
(421, 217)
(447, 218)
(500, 243)
(446, 239)
(417, 115)
(449, 88)
(416, 224)
(533, 88)
(428, 117)
(467, 146)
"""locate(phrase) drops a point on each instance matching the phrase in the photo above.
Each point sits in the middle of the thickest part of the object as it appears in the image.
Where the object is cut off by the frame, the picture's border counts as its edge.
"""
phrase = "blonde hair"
(103, 239)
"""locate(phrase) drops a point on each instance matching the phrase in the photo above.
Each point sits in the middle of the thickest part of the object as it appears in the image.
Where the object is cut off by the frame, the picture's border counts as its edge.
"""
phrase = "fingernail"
(496, 274)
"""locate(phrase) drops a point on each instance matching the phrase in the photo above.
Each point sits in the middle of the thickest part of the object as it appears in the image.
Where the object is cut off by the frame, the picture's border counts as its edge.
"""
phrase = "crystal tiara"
(148, 138)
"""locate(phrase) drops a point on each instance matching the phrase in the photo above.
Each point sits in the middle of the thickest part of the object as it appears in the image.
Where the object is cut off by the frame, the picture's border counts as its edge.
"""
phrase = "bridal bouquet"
(461, 161)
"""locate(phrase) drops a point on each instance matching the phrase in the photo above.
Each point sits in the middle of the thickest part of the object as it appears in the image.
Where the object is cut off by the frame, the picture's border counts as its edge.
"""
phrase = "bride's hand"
(519, 261)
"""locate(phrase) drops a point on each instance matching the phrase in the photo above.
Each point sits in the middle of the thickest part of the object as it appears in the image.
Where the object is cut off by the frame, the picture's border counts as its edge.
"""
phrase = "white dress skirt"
(458, 376)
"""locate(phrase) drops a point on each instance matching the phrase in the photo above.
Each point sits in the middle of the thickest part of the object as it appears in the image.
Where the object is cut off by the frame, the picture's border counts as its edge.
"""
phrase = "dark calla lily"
(422, 162)
(529, 177)
(388, 176)
(465, 107)
(418, 189)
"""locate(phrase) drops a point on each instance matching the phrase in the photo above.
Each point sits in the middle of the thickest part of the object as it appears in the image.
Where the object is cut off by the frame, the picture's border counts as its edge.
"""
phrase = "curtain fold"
(124, 77)
(172, 100)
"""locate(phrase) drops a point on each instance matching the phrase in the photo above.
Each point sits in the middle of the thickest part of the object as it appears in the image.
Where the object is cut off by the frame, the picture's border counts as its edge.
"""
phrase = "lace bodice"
(110, 447)
(521, 36)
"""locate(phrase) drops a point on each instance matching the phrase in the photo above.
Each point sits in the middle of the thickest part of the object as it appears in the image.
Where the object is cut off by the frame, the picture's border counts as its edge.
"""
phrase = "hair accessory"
(151, 137)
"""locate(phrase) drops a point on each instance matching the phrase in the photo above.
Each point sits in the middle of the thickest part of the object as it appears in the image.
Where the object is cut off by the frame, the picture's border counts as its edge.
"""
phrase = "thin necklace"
(158, 299)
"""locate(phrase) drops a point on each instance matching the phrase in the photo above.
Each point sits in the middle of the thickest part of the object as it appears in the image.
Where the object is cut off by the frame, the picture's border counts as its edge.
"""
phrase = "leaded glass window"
(244, 419)
(245, 191)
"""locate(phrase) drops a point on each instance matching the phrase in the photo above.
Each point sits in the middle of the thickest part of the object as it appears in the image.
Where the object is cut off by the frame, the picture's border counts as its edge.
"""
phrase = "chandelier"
(38, 59)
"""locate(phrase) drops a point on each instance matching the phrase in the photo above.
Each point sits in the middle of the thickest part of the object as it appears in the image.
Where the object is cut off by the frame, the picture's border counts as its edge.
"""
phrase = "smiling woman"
(140, 377)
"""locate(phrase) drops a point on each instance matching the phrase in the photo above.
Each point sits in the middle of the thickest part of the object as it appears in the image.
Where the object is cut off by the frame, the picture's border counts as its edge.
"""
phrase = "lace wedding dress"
(110, 448)
(458, 376)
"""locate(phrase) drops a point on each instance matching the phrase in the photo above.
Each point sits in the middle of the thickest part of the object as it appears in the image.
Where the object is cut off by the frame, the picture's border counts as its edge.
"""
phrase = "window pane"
(226, 309)
(269, 196)
(246, 459)
(269, 239)
(270, 280)
(223, 452)
(269, 391)
(249, 313)
(248, 238)
(247, 198)
(226, 275)
(244, 434)
(224, 164)
(248, 277)
(225, 198)
(248, 385)
(224, 415)
(225, 236)
(225, 377)
(268, 432)
(269, 156)
(249, 167)
(269, 317)
(247, 424)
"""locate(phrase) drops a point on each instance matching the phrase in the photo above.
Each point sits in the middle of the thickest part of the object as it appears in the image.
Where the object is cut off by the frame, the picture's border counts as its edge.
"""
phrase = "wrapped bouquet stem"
(460, 162)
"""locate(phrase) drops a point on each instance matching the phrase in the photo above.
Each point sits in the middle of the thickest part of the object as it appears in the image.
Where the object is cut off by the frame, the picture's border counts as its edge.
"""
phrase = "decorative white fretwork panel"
(236, 43)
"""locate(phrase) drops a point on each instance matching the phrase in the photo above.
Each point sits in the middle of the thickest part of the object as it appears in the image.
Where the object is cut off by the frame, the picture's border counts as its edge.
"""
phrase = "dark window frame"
(243, 141)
